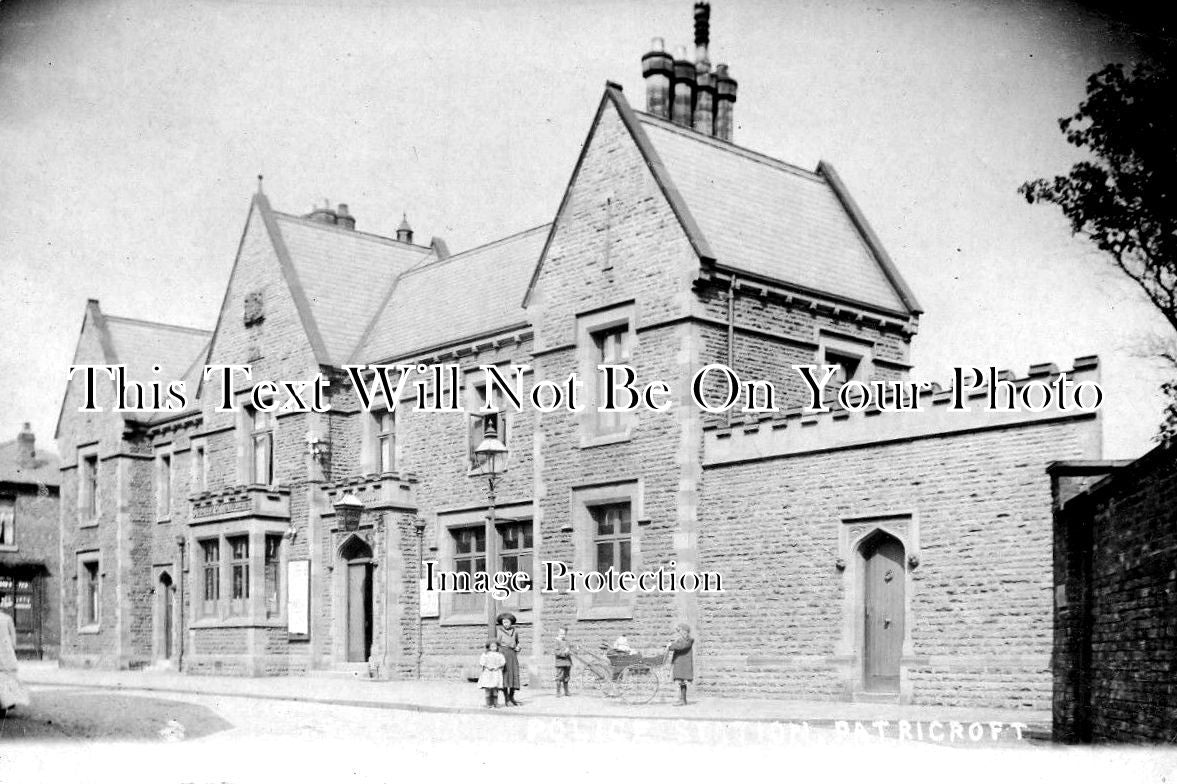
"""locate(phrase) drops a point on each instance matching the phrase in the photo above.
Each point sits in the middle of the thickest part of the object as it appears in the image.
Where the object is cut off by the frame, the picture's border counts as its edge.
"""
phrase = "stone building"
(1115, 611)
(30, 582)
(240, 541)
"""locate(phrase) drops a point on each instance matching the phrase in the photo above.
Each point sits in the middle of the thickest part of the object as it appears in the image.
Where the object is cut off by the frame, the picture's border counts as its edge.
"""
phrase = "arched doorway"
(356, 556)
(884, 579)
(165, 597)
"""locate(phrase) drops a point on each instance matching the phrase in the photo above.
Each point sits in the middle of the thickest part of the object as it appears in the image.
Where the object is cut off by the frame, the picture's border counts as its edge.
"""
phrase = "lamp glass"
(493, 453)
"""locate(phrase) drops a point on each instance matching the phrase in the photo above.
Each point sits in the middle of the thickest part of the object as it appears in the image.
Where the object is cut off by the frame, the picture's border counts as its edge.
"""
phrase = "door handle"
(886, 622)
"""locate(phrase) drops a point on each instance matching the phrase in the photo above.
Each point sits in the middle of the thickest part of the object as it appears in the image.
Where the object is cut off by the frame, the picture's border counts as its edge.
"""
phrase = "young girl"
(491, 679)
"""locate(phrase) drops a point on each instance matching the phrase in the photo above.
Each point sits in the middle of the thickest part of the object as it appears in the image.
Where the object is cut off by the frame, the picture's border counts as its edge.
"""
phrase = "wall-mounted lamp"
(348, 510)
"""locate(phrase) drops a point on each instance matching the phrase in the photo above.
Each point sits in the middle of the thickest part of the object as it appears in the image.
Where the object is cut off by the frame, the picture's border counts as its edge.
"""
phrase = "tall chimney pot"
(657, 70)
(702, 33)
(725, 97)
(684, 89)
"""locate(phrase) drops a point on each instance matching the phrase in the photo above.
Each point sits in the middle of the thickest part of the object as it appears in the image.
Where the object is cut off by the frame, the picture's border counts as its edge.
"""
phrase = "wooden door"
(359, 611)
(883, 614)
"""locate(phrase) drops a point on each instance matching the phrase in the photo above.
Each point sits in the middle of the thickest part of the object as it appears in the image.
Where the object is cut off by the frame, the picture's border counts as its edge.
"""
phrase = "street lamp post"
(493, 454)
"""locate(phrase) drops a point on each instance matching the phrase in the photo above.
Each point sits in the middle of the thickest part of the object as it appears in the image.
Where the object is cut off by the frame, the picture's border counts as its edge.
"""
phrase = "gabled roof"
(468, 294)
(747, 212)
(144, 345)
(44, 469)
(345, 277)
(339, 278)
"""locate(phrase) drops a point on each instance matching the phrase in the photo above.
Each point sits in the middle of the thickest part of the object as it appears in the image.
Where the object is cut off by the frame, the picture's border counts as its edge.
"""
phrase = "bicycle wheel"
(586, 679)
(638, 684)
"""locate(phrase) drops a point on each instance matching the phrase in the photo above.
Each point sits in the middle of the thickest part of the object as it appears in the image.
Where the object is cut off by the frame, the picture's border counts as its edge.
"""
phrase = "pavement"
(460, 697)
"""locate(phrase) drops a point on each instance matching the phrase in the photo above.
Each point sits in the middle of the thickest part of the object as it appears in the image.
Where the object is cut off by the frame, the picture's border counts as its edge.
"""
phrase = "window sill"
(590, 441)
(237, 623)
(522, 618)
(608, 612)
(88, 523)
(7, 548)
(94, 629)
(464, 619)
(163, 520)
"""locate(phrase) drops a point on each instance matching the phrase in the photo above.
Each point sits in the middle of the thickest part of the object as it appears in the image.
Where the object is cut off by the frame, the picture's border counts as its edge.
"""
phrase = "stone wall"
(972, 506)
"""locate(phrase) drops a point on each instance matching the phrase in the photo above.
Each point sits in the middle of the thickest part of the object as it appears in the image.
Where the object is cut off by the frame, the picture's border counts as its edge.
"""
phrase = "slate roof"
(345, 275)
(142, 344)
(771, 219)
(471, 293)
(43, 470)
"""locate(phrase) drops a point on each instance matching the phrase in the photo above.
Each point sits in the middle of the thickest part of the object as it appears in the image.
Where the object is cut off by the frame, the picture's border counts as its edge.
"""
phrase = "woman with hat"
(12, 693)
(508, 639)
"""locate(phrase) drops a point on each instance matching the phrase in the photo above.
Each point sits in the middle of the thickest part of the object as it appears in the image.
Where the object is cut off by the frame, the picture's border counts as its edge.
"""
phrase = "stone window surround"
(85, 454)
(163, 515)
(246, 434)
(582, 500)
(850, 345)
(587, 326)
(369, 432)
(853, 532)
(198, 455)
(257, 531)
(81, 559)
(446, 523)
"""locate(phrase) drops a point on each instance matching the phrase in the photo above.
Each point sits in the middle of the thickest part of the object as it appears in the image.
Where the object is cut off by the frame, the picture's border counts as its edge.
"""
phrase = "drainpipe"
(419, 526)
(731, 332)
(387, 593)
(181, 542)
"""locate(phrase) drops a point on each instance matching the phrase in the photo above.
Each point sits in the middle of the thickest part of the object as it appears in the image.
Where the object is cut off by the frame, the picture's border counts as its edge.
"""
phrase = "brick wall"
(1115, 633)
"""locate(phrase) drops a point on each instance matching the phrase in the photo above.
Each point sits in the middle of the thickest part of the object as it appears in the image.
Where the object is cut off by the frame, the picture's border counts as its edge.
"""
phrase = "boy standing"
(682, 663)
(563, 661)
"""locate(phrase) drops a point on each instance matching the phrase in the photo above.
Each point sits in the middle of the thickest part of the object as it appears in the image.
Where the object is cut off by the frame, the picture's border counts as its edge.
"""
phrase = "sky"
(132, 133)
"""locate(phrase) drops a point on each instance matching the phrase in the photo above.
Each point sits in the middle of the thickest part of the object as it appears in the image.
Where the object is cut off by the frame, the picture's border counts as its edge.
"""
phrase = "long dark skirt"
(511, 670)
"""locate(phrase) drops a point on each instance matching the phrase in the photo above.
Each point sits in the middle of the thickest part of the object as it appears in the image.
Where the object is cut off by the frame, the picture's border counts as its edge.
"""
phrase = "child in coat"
(491, 679)
(682, 663)
(563, 661)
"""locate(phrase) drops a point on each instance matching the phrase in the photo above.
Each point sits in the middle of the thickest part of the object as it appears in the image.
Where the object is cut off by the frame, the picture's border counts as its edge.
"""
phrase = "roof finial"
(259, 185)
(404, 232)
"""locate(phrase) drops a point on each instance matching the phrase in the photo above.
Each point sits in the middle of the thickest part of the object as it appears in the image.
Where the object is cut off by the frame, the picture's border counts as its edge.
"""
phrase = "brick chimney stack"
(26, 447)
(344, 218)
(336, 217)
(657, 70)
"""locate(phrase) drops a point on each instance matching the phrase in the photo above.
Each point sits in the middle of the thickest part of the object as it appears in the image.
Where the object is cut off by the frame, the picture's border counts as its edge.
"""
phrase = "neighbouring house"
(30, 552)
